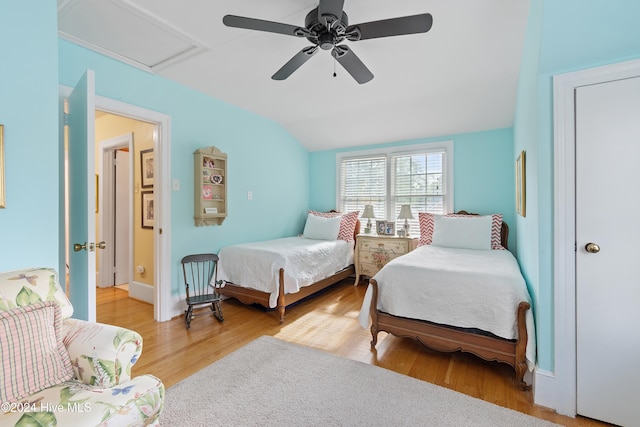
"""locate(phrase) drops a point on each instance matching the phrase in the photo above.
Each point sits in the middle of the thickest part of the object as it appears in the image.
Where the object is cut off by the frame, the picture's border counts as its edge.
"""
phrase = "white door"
(115, 201)
(607, 281)
(82, 198)
(122, 218)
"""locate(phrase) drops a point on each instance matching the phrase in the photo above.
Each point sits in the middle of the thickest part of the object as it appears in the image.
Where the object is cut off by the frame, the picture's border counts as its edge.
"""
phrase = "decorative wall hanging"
(521, 184)
(2, 193)
(146, 168)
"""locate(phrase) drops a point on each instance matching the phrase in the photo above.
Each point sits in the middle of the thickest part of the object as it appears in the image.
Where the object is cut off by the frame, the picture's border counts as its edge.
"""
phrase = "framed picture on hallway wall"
(148, 218)
(146, 168)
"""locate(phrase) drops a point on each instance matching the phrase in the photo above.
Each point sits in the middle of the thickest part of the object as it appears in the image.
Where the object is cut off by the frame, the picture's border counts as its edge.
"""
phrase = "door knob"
(77, 247)
(592, 248)
(101, 245)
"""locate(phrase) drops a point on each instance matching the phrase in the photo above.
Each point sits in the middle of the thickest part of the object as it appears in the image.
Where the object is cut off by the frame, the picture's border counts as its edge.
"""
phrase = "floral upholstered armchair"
(56, 370)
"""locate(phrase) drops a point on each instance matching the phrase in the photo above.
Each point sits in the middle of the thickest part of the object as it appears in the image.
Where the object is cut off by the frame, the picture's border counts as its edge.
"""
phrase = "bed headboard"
(504, 230)
(356, 231)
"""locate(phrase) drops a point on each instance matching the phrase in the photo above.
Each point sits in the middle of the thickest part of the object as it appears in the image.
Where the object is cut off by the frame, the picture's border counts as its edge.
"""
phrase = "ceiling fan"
(328, 25)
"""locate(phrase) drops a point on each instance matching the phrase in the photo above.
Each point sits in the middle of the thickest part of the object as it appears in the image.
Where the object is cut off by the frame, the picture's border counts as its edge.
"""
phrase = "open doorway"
(124, 166)
(82, 288)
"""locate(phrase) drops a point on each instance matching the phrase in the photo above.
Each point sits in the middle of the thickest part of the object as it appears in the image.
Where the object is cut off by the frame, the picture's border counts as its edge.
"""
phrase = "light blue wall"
(579, 34)
(483, 174)
(262, 156)
(562, 36)
(29, 113)
(525, 138)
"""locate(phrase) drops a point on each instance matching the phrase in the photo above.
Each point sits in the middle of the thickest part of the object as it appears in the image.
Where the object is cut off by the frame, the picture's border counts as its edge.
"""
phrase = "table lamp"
(405, 213)
(368, 213)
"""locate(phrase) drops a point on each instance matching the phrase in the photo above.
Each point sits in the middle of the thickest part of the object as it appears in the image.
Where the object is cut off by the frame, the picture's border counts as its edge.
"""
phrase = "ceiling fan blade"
(330, 11)
(352, 64)
(261, 25)
(390, 27)
(296, 62)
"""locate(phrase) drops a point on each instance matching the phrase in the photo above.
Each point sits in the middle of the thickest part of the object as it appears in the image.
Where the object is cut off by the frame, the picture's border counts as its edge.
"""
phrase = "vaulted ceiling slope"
(460, 76)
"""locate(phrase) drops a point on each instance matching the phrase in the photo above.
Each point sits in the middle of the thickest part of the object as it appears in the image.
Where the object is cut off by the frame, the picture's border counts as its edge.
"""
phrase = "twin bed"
(456, 299)
(280, 272)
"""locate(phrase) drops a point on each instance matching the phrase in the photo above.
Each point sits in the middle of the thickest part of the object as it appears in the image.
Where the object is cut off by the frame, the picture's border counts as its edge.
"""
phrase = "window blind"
(363, 182)
(418, 180)
(419, 176)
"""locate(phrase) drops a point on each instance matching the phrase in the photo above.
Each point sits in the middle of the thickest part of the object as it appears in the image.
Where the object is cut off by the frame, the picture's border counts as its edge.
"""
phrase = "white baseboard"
(544, 389)
(178, 305)
(141, 291)
(99, 282)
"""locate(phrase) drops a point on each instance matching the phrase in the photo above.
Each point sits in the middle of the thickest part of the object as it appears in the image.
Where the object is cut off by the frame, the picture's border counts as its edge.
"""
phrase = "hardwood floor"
(328, 322)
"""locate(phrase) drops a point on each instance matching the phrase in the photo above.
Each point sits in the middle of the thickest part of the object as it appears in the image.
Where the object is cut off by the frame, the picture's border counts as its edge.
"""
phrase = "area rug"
(273, 382)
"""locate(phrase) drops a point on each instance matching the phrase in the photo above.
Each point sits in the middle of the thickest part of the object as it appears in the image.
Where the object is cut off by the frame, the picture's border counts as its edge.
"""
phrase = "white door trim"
(563, 393)
(162, 192)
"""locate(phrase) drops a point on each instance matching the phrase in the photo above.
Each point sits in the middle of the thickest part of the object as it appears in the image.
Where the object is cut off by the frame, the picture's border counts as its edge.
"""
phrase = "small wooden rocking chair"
(200, 280)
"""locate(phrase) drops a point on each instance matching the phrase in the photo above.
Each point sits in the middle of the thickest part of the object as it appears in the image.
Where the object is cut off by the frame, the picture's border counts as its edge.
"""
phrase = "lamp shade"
(405, 212)
(368, 212)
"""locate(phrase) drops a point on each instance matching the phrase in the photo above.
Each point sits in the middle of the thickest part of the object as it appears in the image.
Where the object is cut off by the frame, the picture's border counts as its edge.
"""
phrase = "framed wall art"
(521, 184)
(2, 193)
(146, 168)
(148, 216)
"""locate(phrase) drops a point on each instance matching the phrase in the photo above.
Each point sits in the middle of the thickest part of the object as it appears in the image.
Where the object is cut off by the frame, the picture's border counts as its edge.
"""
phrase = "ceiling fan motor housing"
(326, 36)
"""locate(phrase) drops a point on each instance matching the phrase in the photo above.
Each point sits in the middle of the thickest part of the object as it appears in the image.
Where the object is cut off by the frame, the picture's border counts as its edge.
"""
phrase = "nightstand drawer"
(388, 245)
(379, 256)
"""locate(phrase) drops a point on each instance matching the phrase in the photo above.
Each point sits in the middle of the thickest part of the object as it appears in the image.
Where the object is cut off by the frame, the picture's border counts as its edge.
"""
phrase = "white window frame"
(389, 153)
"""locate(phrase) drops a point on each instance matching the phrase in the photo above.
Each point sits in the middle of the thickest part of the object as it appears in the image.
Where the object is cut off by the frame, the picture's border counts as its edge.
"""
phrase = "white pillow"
(462, 232)
(320, 228)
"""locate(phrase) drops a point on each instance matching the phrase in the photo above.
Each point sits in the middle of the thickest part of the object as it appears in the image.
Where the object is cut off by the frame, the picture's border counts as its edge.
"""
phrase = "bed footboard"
(252, 296)
(445, 339)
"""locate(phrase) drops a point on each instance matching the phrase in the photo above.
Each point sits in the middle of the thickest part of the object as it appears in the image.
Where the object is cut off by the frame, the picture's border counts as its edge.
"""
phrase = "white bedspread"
(458, 287)
(305, 261)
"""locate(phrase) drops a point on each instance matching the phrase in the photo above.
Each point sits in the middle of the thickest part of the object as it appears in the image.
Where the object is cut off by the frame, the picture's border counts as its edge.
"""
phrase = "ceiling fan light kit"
(328, 25)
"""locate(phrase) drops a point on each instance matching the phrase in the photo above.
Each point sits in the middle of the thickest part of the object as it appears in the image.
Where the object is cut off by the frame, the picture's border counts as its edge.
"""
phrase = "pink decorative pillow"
(426, 228)
(32, 354)
(347, 223)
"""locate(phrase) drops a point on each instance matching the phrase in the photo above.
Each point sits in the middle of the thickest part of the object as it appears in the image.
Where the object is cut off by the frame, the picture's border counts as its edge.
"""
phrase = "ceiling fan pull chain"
(334, 68)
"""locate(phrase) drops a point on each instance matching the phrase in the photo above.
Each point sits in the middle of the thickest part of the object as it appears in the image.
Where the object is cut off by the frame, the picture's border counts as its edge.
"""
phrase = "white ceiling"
(459, 77)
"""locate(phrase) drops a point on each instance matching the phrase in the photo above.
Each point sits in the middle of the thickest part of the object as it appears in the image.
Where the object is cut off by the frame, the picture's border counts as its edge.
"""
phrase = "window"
(420, 176)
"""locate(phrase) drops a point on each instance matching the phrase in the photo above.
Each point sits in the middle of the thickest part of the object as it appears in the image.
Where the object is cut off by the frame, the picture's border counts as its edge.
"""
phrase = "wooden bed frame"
(448, 339)
(252, 296)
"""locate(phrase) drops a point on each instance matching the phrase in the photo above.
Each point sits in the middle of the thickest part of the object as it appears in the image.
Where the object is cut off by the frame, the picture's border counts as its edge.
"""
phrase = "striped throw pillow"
(32, 354)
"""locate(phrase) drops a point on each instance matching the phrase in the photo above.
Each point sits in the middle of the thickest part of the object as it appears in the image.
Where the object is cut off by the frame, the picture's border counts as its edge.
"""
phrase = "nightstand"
(373, 251)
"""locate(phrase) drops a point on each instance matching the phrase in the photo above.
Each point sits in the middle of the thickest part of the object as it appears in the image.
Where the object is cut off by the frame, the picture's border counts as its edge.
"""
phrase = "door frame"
(563, 396)
(106, 192)
(162, 193)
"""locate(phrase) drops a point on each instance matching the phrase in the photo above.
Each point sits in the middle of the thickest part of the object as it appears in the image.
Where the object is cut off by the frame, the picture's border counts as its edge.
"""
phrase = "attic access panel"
(124, 32)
